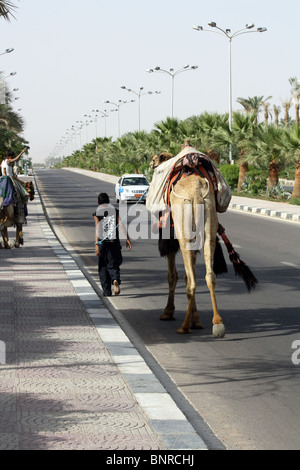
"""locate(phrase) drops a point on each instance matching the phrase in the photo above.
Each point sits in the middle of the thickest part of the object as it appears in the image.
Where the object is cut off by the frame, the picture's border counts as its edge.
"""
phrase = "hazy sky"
(71, 55)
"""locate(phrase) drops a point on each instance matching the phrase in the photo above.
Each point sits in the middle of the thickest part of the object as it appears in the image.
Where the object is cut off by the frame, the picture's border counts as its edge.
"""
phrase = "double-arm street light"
(105, 115)
(7, 51)
(118, 105)
(77, 130)
(230, 36)
(139, 94)
(172, 73)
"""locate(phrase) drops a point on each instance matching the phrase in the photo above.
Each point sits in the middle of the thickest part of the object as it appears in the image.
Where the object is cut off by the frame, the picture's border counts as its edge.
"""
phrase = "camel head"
(160, 158)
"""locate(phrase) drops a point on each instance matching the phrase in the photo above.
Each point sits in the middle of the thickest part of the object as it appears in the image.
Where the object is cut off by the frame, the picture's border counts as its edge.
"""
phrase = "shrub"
(129, 168)
(288, 173)
(277, 192)
(295, 201)
(231, 174)
(144, 168)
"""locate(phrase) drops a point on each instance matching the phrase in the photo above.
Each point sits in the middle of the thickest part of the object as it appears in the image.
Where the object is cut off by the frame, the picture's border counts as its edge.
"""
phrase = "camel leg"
(8, 212)
(209, 250)
(195, 322)
(169, 311)
(189, 258)
(19, 237)
(4, 233)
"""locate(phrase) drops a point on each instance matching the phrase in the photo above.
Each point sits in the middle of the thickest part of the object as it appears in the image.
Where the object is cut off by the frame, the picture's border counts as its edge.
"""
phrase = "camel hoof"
(183, 331)
(167, 317)
(219, 331)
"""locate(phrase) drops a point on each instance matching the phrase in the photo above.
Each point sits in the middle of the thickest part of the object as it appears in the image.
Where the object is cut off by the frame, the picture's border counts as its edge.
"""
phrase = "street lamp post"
(172, 73)
(75, 130)
(118, 105)
(7, 51)
(105, 116)
(229, 35)
(139, 94)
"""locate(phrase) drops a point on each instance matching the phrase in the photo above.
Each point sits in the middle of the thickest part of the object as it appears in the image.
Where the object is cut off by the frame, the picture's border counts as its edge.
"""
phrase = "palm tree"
(253, 105)
(246, 104)
(243, 130)
(6, 9)
(201, 130)
(295, 91)
(265, 151)
(11, 120)
(276, 110)
(135, 149)
(266, 106)
(171, 135)
(291, 146)
(287, 106)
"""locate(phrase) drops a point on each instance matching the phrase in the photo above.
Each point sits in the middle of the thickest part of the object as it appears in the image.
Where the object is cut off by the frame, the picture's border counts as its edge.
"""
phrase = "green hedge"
(231, 174)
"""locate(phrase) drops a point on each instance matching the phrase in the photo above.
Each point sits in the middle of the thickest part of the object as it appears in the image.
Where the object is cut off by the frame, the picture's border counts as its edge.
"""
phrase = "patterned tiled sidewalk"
(68, 378)
(59, 388)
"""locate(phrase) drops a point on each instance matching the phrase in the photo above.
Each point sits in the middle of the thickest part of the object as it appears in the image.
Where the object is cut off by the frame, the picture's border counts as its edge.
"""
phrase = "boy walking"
(107, 223)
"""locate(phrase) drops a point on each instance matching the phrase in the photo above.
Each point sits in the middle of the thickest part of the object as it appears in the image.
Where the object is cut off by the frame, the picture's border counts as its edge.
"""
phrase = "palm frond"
(7, 8)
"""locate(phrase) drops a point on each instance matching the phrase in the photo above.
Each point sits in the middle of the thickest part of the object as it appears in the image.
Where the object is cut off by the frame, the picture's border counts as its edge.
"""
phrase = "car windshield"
(135, 182)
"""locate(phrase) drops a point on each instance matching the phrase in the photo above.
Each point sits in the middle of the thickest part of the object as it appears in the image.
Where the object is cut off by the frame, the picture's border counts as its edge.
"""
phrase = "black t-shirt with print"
(107, 229)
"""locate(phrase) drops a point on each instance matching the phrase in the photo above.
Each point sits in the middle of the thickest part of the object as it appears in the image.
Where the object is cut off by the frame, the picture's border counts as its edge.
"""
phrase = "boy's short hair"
(103, 198)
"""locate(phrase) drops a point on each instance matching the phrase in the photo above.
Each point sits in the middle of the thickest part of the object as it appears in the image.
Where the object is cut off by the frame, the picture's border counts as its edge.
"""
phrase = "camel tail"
(240, 268)
(220, 266)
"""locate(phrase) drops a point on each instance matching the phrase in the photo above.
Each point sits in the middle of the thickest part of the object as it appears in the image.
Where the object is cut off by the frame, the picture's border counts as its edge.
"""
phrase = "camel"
(14, 214)
(194, 191)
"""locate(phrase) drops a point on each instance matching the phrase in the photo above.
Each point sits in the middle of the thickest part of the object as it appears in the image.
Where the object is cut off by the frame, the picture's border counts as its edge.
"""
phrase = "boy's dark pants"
(109, 263)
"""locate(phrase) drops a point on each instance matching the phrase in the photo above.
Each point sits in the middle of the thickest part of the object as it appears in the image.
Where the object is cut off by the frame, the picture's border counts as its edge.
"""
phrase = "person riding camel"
(13, 197)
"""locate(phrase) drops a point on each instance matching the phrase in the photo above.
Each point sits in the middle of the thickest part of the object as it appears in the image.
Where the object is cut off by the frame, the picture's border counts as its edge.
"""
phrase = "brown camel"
(189, 194)
(7, 219)
(15, 215)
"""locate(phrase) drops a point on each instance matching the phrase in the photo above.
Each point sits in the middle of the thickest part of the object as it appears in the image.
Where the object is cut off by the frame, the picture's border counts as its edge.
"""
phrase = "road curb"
(266, 212)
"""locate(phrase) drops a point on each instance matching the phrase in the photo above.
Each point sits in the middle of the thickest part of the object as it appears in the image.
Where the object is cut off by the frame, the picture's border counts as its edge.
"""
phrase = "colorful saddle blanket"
(7, 191)
(188, 161)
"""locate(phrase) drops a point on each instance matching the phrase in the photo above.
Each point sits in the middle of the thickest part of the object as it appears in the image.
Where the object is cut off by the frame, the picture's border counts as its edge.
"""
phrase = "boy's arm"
(128, 241)
(97, 247)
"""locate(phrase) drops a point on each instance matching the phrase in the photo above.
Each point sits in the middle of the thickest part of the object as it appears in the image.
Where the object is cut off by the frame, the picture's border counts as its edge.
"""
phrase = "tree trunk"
(273, 174)
(297, 114)
(276, 115)
(296, 191)
(286, 116)
(266, 115)
(242, 175)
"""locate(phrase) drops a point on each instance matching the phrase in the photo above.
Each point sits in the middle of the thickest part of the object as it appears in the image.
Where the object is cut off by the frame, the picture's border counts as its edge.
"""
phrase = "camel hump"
(194, 188)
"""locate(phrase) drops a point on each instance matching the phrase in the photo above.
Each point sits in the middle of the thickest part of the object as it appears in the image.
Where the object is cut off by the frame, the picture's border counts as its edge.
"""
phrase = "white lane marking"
(292, 265)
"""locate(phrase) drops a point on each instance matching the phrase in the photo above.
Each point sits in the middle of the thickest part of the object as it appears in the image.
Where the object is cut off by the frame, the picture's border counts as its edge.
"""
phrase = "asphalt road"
(245, 387)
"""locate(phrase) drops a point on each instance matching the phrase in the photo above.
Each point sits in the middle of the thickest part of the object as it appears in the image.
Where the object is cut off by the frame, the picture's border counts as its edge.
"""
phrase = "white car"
(132, 188)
